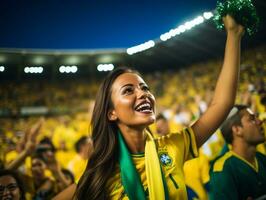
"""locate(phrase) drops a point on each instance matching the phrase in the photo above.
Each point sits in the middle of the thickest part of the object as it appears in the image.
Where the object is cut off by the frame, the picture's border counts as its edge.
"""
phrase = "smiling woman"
(133, 103)
(127, 162)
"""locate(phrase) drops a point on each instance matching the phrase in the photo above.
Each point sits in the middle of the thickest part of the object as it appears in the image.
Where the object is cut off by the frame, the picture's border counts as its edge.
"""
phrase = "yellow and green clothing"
(173, 150)
(232, 177)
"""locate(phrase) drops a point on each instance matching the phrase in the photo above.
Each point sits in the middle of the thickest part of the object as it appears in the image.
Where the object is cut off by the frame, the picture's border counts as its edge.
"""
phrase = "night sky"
(53, 24)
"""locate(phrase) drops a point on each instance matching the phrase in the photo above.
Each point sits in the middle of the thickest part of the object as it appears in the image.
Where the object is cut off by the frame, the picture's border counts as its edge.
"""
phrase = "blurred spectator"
(241, 172)
(83, 148)
(11, 186)
(162, 125)
(46, 152)
(43, 186)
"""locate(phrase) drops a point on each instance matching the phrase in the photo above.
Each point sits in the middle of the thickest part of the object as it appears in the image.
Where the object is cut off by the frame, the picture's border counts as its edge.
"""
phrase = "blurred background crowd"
(50, 151)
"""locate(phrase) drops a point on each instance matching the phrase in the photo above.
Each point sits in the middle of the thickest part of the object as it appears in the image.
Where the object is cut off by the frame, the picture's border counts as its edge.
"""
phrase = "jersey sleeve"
(191, 150)
(181, 145)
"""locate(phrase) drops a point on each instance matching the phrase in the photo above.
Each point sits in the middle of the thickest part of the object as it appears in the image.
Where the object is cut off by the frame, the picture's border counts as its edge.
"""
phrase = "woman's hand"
(232, 27)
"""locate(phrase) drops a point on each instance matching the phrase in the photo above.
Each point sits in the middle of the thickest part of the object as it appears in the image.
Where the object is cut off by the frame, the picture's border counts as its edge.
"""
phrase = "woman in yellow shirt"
(127, 162)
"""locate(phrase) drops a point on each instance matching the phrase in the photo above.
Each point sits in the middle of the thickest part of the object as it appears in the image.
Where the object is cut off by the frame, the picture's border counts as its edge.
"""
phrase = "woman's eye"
(145, 88)
(127, 90)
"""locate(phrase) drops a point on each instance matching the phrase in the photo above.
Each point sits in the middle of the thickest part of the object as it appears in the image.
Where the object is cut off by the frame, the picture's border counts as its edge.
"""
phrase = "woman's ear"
(112, 115)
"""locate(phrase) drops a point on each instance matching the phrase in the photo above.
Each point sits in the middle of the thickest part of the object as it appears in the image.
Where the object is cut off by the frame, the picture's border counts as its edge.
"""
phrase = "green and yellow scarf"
(130, 178)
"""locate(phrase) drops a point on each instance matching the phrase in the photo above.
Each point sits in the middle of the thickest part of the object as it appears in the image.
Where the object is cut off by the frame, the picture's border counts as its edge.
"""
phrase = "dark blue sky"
(87, 24)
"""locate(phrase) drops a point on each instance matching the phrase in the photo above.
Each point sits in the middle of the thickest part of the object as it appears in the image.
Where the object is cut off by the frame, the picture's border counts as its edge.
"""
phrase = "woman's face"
(9, 188)
(133, 104)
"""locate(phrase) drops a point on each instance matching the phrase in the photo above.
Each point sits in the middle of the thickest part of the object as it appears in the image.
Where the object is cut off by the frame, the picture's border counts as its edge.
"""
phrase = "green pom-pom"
(243, 11)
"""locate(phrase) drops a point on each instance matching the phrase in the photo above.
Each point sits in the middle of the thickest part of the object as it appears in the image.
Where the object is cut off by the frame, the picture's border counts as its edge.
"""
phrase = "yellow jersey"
(173, 150)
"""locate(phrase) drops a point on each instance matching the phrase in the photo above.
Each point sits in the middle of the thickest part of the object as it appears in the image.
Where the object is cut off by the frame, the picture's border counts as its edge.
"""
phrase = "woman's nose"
(142, 94)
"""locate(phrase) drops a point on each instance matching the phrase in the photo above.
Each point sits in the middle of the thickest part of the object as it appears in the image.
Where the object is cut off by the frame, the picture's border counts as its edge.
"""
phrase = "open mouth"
(144, 107)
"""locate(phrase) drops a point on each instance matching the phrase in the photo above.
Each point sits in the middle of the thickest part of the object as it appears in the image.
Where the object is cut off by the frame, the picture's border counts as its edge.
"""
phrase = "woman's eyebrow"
(126, 85)
(141, 84)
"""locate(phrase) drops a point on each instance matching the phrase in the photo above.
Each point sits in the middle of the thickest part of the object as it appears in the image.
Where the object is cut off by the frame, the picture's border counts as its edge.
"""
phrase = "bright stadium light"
(182, 28)
(2, 68)
(207, 15)
(74, 69)
(68, 69)
(186, 26)
(165, 36)
(105, 67)
(99, 67)
(141, 47)
(26, 70)
(198, 20)
(62, 69)
(33, 70)
(39, 70)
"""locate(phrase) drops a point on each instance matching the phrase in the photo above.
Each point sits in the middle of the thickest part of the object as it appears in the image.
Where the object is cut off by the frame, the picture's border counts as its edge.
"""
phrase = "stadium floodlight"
(141, 47)
(74, 69)
(2, 68)
(182, 28)
(68, 69)
(105, 67)
(165, 36)
(33, 70)
(207, 15)
(39, 70)
(62, 69)
(26, 70)
(186, 26)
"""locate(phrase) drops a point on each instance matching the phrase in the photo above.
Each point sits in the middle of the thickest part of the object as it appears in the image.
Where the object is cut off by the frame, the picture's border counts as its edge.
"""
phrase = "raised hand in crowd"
(27, 144)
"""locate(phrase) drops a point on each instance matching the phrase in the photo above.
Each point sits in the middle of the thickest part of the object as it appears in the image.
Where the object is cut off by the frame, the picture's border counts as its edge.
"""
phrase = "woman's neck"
(135, 139)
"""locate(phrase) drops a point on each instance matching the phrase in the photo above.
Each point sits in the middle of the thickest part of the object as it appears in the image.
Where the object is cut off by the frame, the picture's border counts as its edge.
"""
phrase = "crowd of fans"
(48, 154)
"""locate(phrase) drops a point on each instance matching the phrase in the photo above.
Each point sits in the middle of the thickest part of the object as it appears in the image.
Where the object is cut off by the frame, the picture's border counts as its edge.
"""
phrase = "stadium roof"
(202, 42)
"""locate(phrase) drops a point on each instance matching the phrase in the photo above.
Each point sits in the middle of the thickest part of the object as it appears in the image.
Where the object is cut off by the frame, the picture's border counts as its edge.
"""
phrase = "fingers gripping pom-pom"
(243, 11)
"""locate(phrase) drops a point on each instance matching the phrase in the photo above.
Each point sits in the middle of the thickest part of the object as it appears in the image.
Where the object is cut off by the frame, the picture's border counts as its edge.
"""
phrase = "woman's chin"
(149, 121)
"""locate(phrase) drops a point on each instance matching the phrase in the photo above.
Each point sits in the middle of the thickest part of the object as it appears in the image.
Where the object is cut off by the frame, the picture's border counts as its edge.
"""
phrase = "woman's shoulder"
(179, 134)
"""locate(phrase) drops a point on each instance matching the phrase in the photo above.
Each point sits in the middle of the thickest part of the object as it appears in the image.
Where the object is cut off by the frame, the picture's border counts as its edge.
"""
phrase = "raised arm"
(30, 144)
(226, 86)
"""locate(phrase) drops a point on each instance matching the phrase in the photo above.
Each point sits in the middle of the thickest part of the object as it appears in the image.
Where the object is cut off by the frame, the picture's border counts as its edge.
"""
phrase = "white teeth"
(147, 107)
(145, 110)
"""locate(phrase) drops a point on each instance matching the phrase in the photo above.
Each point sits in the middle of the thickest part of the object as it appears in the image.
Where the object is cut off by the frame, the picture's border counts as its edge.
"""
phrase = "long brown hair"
(104, 157)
